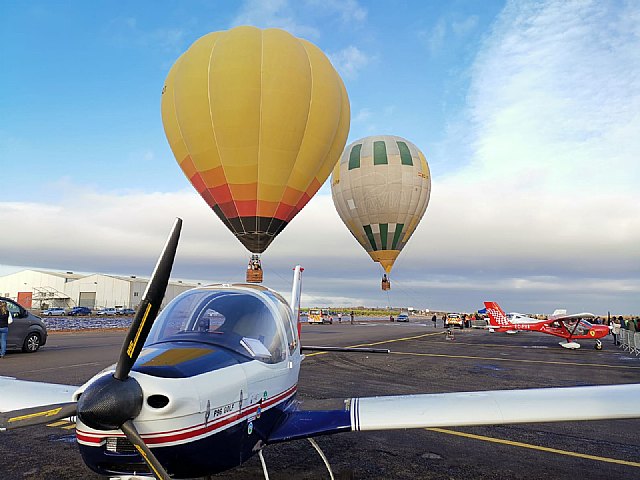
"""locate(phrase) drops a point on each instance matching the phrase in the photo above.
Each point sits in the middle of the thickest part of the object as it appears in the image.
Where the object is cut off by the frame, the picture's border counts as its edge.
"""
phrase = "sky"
(528, 114)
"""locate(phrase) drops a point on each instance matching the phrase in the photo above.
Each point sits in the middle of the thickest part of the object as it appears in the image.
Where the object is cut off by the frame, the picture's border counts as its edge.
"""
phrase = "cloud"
(273, 14)
(548, 193)
(350, 61)
(126, 31)
(462, 28)
(350, 11)
(435, 37)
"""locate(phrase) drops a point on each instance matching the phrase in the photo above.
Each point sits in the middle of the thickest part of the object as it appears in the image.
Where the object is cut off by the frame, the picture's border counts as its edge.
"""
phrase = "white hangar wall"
(43, 289)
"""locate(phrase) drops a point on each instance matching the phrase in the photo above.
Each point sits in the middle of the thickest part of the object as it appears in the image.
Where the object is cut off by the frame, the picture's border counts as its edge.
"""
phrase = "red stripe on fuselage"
(194, 430)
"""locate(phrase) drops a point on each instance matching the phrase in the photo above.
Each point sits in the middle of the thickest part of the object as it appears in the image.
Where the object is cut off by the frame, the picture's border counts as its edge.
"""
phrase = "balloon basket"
(386, 285)
(254, 270)
(254, 276)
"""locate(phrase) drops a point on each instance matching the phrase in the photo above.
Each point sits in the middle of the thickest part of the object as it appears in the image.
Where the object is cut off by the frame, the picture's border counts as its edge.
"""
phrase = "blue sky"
(528, 113)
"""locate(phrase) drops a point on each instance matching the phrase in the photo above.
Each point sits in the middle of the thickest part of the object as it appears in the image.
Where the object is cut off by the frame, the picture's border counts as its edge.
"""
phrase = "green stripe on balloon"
(405, 154)
(354, 157)
(380, 153)
(384, 230)
(372, 240)
(396, 236)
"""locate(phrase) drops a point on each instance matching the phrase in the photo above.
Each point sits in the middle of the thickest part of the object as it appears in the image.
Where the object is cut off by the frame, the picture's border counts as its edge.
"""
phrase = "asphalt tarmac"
(422, 361)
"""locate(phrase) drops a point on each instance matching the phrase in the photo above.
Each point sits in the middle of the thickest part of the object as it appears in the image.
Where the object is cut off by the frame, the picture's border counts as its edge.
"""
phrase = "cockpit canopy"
(254, 323)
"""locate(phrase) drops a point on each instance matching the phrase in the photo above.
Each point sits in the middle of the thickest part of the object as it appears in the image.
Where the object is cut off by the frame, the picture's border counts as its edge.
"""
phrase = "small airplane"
(211, 381)
(571, 327)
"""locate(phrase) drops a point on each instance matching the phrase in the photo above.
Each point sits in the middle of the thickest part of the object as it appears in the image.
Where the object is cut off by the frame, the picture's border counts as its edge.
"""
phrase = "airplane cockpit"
(577, 326)
(251, 321)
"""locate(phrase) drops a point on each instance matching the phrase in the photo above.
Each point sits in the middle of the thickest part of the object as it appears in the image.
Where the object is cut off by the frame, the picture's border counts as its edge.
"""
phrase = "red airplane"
(570, 327)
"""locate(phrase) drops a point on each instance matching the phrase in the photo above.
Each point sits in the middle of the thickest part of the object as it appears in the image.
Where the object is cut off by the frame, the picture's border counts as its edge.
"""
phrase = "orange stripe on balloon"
(291, 196)
(244, 191)
(188, 167)
(313, 188)
(214, 177)
(267, 209)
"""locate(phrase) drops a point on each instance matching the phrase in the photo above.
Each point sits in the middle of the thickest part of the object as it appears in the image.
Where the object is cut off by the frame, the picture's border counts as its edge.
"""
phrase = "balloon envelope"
(381, 189)
(256, 119)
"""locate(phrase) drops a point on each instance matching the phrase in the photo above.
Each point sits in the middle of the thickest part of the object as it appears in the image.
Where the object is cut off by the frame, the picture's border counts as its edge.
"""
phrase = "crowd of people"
(619, 323)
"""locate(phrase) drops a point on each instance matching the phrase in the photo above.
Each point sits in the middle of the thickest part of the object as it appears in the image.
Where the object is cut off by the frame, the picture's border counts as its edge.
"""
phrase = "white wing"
(495, 407)
(19, 394)
(572, 316)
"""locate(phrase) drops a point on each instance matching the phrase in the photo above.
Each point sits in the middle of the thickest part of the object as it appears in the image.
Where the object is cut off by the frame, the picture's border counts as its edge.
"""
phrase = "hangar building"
(42, 289)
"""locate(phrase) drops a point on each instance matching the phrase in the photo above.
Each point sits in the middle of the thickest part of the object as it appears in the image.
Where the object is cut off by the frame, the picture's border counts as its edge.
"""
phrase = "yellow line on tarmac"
(58, 423)
(497, 359)
(534, 447)
(69, 427)
(380, 343)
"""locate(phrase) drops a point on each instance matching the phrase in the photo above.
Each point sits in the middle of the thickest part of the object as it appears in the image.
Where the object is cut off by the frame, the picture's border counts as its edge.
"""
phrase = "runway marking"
(534, 447)
(64, 424)
(519, 360)
(404, 339)
(58, 423)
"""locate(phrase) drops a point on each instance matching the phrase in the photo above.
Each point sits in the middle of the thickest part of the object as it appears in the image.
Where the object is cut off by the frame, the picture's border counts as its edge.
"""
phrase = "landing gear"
(598, 345)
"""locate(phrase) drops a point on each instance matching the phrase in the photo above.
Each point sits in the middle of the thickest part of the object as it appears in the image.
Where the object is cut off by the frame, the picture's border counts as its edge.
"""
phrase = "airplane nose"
(108, 402)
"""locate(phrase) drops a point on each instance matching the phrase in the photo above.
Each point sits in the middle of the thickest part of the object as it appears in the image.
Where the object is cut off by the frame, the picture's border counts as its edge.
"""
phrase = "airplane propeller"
(112, 401)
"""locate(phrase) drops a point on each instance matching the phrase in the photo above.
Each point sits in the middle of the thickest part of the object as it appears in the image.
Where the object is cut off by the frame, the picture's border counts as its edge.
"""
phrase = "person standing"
(5, 320)
(434, 319)
(352, 315)
(339, 317)
(615, 330)
(631, 326)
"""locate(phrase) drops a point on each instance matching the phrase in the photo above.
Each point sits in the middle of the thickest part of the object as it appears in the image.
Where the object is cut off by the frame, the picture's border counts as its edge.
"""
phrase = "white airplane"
(211, 381)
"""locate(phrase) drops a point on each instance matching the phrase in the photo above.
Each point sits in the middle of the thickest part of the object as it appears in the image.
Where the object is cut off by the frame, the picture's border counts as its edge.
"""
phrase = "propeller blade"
(36, 415)
(129, 429)
(149, 306)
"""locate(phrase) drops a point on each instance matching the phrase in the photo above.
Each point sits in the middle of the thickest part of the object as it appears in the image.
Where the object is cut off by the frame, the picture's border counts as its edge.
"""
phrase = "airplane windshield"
(239, 321)
(582, 327)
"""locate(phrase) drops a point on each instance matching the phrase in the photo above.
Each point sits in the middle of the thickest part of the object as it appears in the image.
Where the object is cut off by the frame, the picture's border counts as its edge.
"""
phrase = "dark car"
(27, 332)
(79, 311)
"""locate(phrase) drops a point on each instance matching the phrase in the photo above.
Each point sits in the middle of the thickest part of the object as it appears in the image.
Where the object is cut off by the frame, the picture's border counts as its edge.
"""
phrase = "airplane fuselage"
(214, 419)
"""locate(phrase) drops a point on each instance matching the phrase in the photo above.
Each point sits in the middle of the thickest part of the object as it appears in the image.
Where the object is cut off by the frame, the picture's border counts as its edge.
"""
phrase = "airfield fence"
(630, 341)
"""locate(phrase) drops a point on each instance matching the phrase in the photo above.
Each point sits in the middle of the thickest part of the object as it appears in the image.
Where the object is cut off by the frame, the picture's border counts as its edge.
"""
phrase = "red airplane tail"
(497, 317)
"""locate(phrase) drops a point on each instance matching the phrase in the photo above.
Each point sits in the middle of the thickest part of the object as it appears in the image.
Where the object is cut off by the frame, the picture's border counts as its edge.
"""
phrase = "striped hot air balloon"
(381, 189)
(256, 119)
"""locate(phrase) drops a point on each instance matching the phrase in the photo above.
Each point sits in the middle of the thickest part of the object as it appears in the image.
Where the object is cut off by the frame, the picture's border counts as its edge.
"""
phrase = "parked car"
(454, 320)
(403, 317)
(125, 311)
(79, 311)
(50, 312)
(27, 332)
(106, 311)
(320, 317)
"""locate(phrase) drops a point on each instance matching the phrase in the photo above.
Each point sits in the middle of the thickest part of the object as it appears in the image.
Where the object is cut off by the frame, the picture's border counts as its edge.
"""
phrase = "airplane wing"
(572, 316)
(19, 394)
(464, 409)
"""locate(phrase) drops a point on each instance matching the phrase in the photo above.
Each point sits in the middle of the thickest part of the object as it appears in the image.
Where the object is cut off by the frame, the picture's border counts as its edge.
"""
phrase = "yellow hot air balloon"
(381, 189)
(256, 119)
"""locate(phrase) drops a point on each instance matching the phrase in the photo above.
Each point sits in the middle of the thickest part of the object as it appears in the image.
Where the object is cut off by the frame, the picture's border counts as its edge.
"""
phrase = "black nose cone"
(107, 403)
